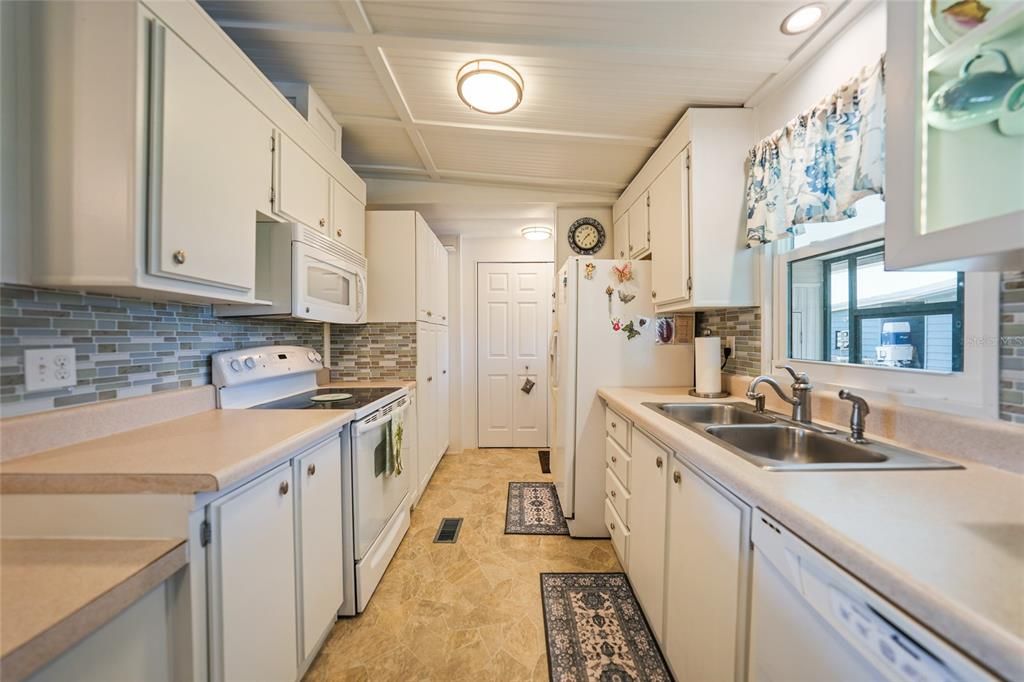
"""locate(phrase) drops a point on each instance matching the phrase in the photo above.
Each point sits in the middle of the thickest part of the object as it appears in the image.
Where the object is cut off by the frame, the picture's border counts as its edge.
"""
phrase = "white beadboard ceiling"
(605, 80)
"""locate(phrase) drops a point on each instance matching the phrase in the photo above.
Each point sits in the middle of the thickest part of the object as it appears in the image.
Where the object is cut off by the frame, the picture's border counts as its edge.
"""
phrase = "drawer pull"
(658, 462)
(677, 477)
(612, 492)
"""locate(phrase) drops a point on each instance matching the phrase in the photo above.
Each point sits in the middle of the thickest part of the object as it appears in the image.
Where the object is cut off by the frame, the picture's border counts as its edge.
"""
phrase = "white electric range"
(375, 501)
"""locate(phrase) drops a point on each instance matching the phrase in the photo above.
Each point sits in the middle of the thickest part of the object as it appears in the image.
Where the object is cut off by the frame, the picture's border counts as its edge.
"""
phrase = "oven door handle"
(367, 425)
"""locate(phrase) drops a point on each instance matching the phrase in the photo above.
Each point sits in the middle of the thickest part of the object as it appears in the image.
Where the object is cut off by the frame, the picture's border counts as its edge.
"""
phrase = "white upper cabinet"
(669, 197)
(348, 219)
(639, 227)
(302, 188)
(153, 154)
(954, 195)
(620, 237)
(207, 169)
(407, 269)
(693, 227)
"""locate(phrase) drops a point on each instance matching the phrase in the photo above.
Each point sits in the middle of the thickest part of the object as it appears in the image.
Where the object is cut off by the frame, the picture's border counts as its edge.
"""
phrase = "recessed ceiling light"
(802, 19)
(537, 232)
(489, 86)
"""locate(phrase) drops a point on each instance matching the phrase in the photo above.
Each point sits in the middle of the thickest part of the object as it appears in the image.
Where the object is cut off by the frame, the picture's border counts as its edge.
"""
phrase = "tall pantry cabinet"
(408, 282)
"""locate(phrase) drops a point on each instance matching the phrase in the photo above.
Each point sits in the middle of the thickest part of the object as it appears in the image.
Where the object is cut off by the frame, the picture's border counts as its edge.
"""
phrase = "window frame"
(973, 391)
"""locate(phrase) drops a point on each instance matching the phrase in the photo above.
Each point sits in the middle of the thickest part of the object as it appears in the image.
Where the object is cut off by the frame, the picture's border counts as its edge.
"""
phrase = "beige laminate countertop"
(55, 592)
(947, 546)
(204, 452)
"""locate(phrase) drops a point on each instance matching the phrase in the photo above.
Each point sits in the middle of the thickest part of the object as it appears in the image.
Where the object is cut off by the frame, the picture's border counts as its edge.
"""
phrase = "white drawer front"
(618, 460)
(620, 534)
(617, 427)
(617, 495)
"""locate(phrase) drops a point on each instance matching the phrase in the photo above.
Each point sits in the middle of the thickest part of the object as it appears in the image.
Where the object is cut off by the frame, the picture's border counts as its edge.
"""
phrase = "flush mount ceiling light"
(802, 19)
(489, 86)
(537, 232)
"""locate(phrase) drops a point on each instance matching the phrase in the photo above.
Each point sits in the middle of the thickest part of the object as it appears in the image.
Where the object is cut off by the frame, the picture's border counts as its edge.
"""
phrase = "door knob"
(311, 470)
(283, 488)
(179, 257)
(658, 462)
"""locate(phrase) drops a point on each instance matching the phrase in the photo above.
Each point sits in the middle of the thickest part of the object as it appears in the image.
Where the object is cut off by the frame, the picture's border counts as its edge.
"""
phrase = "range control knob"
(236, 366)
(318, 356)
(250, 363)
(311, 355)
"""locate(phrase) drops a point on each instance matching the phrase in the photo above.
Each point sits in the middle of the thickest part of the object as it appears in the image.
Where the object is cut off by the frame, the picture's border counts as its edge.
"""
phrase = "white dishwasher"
(812, 621)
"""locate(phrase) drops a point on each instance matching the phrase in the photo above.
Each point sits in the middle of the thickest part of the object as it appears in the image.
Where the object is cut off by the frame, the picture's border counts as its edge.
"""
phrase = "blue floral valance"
(818, 166)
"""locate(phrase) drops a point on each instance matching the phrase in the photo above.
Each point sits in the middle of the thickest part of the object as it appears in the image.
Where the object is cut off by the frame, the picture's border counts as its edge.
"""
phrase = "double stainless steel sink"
(774, 442)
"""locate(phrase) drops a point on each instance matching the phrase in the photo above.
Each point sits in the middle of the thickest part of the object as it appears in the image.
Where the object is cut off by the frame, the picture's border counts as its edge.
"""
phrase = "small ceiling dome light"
(537, 232)
(489, 86)
(802, 19)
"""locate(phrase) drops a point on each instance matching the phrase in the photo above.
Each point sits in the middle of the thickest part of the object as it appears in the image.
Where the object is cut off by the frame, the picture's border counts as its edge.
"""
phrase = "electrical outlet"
(730, 343)
(50, 368)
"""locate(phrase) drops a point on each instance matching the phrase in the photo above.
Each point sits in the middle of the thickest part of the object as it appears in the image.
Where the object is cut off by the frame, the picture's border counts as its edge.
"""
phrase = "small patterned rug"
(596, 631)
(533, 509)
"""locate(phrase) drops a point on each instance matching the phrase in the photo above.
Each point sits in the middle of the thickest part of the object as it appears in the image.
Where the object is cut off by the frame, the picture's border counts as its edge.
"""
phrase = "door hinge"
(687, 160)
(273, 195)
(689, 283)
(273, 143)
(648, 200)
(205, 533)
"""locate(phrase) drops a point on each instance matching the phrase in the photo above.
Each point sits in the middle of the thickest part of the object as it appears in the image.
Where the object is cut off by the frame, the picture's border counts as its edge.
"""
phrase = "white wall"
(566, 216)
(860, 44)
(470, 251)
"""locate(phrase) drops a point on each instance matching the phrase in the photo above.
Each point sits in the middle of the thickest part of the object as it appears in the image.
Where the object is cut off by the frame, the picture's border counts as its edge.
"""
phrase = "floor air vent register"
(448, 531)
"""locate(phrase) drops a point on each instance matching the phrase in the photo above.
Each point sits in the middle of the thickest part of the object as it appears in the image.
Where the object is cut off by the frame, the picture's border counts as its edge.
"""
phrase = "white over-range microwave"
(302, 274)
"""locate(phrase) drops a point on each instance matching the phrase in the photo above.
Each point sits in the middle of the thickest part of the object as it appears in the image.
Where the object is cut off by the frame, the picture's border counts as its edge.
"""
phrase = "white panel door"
(426, 259)
(303, 189)
(648, 475)
(208, 167)
(639, 228)
(512, 339)
(252, 581)
(317, 475)
(426, 418)
(669, 219)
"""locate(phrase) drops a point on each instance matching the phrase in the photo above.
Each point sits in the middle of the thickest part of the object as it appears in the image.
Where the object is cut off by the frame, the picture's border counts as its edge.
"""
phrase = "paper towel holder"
(696, 394)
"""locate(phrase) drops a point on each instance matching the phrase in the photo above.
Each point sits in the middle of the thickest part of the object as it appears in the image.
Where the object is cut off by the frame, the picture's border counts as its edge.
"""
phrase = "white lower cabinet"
(318, 478)
(706, 578)
(647, 526)
(253, 626)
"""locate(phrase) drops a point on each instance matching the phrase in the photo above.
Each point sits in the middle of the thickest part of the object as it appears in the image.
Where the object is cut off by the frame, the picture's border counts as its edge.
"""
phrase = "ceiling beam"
(356, 16)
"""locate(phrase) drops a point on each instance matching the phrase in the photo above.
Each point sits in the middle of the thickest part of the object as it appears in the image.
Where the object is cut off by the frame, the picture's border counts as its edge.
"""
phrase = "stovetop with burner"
(330, 399)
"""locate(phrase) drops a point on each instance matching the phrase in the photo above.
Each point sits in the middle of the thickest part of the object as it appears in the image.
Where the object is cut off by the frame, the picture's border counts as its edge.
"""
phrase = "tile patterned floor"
(468, 611)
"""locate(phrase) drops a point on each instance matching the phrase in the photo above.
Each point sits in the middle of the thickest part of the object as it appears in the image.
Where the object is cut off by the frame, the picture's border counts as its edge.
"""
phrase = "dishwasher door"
(813, 621)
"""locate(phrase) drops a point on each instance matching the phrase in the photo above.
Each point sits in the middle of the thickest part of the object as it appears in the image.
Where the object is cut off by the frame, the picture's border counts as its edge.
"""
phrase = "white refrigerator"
(604, 334)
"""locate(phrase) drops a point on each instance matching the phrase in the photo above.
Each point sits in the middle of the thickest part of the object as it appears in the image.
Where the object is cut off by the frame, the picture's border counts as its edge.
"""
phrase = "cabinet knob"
(444, 371)
(659, 462)
(654, 294)
(430, 378)
(179, 257)
(311, 470)
(430, 314)
(614, 425)
(613, 493)
(614, 459)
(612, 525)
(338, 232)
(677, 477)
(283, 488)
(323, 222)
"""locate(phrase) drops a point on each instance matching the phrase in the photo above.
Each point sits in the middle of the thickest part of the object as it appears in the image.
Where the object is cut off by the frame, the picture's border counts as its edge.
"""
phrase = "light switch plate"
(50, 368)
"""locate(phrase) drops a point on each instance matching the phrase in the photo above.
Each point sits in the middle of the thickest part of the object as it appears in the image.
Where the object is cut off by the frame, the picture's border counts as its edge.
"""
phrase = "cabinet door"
(425, 264)
(705, 594)
(621, 237)
(209, 149)
(670, 232)
(348, 219)
(639, 229)
(317, 474)
(410, 444)
(426, 385)
(253, 628)
(647, 530)
(441, 279)
(443, 397)
(302, 190)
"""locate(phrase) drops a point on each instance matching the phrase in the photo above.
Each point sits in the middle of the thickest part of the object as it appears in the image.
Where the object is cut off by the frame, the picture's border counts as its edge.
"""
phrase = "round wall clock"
(586, 236)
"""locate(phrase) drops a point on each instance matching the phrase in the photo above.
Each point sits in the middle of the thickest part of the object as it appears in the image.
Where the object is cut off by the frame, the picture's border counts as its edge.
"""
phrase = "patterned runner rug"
(596, 631)
(533, 509)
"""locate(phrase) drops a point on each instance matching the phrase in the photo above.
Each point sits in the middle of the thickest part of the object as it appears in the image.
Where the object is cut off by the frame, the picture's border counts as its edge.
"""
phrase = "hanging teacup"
(972, 98)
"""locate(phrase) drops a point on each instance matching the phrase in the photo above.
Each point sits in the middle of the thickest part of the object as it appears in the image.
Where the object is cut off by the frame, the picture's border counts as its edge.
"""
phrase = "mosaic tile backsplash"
(745, 325)
(378, 350)
(124, 347)
(1011, 348)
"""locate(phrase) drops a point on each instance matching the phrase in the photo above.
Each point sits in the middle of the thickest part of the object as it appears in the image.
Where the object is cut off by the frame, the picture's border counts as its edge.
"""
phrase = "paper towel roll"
(709, 364)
